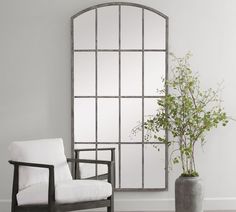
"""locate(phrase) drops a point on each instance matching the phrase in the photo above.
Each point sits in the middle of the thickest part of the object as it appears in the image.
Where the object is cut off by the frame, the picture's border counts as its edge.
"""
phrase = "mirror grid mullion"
(96, 90)
(142, 98)
(119, 146)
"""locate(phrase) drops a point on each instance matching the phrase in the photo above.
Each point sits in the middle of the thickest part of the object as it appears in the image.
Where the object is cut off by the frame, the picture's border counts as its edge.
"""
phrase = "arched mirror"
(119, 57)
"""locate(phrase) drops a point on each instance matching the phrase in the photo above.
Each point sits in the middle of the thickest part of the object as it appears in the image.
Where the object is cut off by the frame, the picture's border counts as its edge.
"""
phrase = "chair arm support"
(111, 174)
(51, 184)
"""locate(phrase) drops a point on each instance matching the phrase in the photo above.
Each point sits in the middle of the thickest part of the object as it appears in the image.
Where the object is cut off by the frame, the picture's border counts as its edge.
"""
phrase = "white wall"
(35, 84)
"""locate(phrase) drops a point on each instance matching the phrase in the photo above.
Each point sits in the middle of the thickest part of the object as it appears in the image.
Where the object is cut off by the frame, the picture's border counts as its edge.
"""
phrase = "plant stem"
(181, 154)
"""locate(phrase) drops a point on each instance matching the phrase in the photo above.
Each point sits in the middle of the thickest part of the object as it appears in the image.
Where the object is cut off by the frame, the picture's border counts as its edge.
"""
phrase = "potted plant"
(188, 113)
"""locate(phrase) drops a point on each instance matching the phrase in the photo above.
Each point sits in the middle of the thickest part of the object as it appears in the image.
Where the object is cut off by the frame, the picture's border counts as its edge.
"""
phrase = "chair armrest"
(112, 150)
(39, 165)
(74, 160)
(94, 149)
(51, 184)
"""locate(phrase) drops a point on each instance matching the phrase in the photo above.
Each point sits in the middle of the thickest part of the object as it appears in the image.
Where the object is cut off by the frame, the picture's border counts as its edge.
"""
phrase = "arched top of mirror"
(120, 25)
(121, 4)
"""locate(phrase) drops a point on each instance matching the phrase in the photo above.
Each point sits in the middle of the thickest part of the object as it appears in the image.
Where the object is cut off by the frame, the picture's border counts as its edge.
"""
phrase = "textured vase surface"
(188, 194)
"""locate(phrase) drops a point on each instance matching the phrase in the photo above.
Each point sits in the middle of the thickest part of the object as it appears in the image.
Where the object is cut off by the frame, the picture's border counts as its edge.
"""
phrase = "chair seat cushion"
(69, 191)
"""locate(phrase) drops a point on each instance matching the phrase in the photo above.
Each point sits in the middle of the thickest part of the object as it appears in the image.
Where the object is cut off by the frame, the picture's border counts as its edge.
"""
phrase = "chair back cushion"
(46, 151)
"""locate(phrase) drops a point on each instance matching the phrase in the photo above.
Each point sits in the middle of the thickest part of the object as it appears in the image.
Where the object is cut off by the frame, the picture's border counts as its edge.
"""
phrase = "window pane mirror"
(119, 58)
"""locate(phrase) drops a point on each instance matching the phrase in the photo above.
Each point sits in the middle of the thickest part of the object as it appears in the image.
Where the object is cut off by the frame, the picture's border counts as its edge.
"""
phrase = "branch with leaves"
(188, 112)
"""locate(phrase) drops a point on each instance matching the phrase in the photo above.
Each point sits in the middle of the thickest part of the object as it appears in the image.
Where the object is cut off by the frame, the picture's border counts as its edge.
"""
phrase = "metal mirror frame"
(119, 4)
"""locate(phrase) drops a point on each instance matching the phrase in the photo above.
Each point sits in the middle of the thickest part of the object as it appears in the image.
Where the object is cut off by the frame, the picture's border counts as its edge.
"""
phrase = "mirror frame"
(143, 7)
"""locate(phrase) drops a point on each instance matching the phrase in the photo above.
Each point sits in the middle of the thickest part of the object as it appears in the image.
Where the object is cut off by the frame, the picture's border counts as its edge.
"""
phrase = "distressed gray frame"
(119, 50)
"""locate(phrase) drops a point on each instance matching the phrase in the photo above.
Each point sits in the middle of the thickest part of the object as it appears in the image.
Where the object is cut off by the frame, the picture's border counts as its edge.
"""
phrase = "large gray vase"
(188, 194)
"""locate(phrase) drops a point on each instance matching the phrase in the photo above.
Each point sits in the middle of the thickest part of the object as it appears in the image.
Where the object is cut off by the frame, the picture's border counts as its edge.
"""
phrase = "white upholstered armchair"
(42, 179)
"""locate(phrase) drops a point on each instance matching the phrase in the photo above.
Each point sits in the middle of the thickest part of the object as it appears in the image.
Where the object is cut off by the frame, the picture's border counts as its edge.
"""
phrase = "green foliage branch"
(187, 113)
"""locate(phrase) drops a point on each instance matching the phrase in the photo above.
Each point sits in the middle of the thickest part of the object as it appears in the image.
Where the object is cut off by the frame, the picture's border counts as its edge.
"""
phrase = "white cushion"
(46, 151)
(69, 191)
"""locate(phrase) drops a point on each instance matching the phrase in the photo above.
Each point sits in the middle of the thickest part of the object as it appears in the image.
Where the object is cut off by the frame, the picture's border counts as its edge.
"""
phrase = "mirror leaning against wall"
(119, 57)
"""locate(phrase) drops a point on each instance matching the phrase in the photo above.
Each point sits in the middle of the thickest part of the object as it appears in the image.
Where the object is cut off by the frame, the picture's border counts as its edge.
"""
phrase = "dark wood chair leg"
(15, 188)
(111, 208)
(13, 206)
(111, 179)
(51, 209)
(51, 192)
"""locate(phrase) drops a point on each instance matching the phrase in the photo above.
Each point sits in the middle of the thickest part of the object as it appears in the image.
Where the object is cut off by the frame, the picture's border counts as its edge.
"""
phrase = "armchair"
(42, 181)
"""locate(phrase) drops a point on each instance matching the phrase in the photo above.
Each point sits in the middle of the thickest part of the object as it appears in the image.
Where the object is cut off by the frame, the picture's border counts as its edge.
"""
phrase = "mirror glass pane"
(154, 31)
(84, 146)
(131, 73)
(131, 27)
(131, 116)
(108, 73)
(84, 73)
(108, 120)
(106, 155)
(131, 172)
(154, 166)
(154, 72)
(84, 31)
(108, 27)
(84, 120)
(150, 108)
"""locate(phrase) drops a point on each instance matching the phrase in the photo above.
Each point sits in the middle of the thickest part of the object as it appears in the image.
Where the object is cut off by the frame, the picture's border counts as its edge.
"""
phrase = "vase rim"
(189, 176)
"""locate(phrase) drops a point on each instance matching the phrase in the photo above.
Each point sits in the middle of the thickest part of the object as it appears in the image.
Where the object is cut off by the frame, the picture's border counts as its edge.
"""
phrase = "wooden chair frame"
(52, 206)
